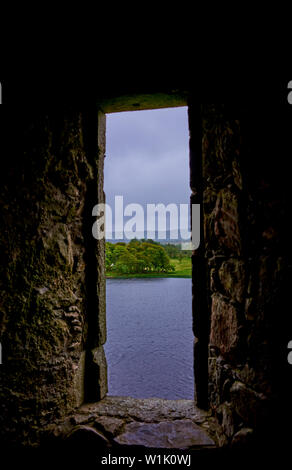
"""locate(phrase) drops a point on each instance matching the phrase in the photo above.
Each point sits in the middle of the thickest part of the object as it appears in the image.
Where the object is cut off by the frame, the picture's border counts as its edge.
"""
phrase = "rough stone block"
(86, 438)
(182, 434)
(109, 424)
(79, 377)
(251, 406)
(243, 438)
(227, 419)
(220, 147)
(224, 326)
(100, 369)
(232, 278)
(226, 225)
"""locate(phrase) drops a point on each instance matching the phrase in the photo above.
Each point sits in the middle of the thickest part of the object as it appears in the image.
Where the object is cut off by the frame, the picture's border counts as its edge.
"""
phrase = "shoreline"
(158, 275)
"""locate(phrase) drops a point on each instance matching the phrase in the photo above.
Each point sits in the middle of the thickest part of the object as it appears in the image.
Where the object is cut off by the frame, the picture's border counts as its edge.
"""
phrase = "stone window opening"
(159, 174)
(96, 387)
(96, 370)
(53, 328)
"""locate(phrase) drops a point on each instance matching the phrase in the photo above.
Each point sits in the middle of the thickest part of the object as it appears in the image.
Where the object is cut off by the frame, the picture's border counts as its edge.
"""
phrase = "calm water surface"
(149, 346)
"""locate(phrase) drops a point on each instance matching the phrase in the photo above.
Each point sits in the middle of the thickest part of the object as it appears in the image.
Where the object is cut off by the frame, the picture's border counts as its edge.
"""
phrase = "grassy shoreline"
(183, 269)
(126, 276)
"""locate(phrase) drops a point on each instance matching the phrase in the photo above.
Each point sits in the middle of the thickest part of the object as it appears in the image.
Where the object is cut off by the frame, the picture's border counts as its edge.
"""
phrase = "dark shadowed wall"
(52, 308)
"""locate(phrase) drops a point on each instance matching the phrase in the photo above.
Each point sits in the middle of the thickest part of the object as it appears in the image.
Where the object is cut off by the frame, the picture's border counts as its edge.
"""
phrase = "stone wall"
(50, 294)
(243, 265)
(52, 310)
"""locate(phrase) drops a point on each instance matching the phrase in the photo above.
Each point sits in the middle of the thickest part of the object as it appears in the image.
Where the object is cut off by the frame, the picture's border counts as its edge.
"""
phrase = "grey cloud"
(147, 156)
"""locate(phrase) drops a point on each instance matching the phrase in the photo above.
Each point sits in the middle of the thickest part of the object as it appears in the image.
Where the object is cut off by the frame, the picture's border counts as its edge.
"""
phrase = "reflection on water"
(149, 346)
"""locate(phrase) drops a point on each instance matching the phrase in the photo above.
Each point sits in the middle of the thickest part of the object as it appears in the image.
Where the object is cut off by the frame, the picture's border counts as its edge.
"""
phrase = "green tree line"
(175, 251)
(137, 256)
(142, 257)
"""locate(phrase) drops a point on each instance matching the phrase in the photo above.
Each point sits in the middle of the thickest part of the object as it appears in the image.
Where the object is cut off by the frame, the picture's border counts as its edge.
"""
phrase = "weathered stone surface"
(43, 269)
(109, 424)
(98, 325)
(221, 378)
(251, 406)
(232, 278)
(79, 377)
(52, 271)
(147, 409)
(177, 434)
(216, 432)
(98, 373)
(256, 377)
(209, 199)
(220, 145)
(86, 436)
(227, 419)
(226, 225)
(243, 438)
(224, 325)
(122, 420)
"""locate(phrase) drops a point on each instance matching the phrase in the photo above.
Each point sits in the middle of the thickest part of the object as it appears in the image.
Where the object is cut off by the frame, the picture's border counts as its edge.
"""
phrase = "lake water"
(149, 346)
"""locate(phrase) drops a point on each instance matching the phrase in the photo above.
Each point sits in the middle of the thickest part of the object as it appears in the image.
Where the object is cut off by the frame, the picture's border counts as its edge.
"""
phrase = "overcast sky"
(147, 156)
